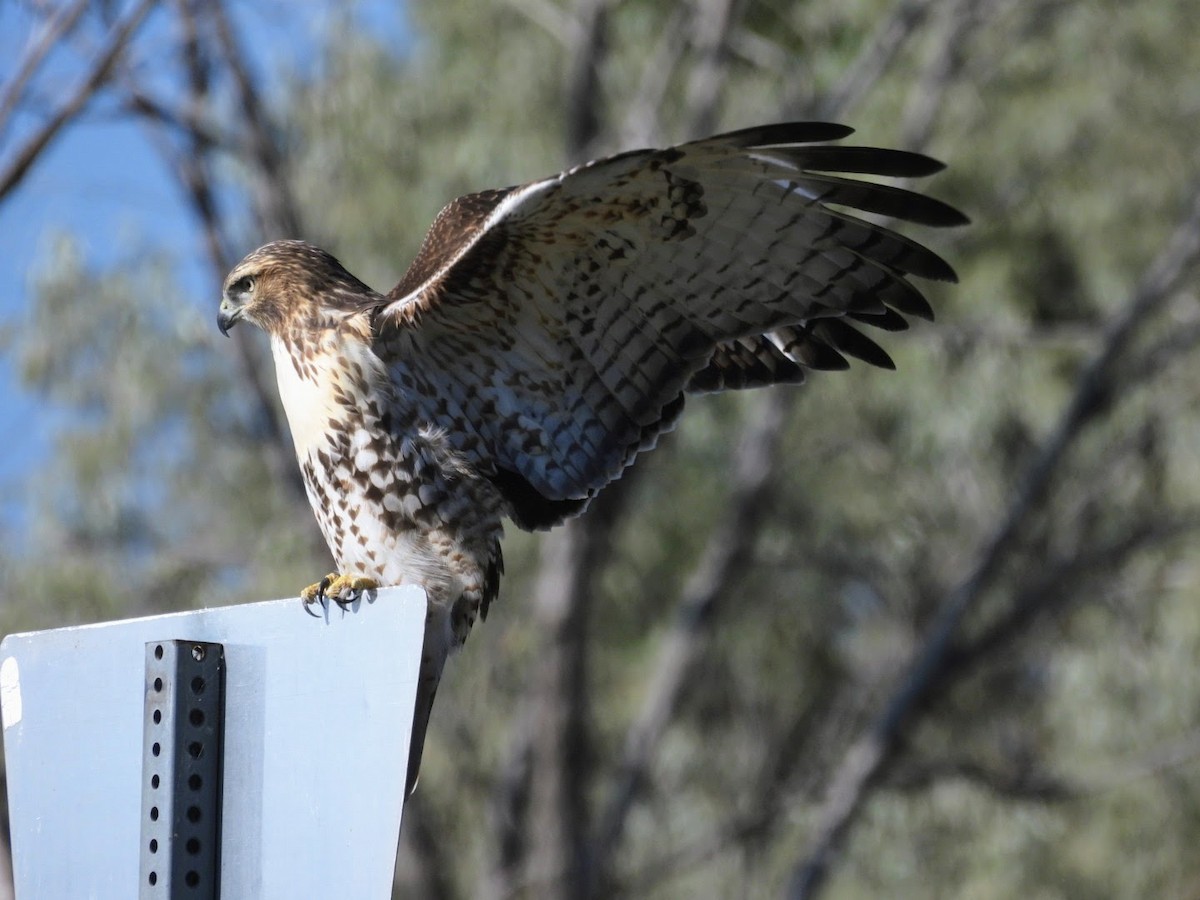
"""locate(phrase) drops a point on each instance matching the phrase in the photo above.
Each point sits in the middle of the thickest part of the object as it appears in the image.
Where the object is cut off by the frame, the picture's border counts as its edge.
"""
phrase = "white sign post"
(317, 717)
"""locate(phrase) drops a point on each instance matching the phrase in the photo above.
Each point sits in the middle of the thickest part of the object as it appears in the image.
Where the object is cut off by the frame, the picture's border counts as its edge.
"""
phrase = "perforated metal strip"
(181, 770)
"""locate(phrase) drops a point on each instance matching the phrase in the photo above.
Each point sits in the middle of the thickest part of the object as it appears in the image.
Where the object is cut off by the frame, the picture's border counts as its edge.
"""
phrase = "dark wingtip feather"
(936, 269)
(943, 272)
(822, 357)
(925, 210)
(883, 199)
(782, 134)
(870, 161)
(951, 217)
(809, 350)
(913, 303)
(850, 340)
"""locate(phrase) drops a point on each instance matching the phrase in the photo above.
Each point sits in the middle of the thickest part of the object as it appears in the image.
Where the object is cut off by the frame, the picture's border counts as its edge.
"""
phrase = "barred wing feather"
(552, 330)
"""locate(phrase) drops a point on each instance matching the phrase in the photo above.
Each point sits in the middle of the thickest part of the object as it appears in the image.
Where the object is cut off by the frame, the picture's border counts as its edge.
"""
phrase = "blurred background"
(924, 633)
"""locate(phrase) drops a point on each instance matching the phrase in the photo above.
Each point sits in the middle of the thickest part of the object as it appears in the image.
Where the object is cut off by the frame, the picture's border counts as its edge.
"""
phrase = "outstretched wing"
(552, 330)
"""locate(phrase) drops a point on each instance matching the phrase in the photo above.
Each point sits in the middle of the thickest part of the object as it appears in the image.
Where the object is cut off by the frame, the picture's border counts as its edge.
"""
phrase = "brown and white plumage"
(548, 333)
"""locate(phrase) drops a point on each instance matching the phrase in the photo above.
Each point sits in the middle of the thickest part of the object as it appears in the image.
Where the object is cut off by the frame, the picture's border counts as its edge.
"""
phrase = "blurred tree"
(899, 634)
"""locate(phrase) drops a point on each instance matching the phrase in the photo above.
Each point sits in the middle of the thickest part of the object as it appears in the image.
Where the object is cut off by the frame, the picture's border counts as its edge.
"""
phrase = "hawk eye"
(243, 285)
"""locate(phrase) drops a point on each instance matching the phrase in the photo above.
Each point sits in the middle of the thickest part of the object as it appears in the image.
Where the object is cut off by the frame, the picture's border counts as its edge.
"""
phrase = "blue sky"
(102, 182)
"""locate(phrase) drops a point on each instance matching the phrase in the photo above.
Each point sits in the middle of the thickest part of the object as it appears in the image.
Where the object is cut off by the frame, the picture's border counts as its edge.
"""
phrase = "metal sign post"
(182, 756)
(304, 783)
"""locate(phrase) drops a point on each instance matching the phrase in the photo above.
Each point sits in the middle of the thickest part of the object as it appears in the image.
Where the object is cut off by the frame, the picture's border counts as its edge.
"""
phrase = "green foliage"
(1061, 765)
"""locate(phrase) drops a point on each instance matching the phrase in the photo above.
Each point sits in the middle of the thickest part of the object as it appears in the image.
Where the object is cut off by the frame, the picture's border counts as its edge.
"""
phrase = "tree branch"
(61, 22)
(1051, 589)
(191, 124)
(712, 23)
(274, 201)
(555, 752)
(874, 59)
(193, 170)
(12, 174)
(725, 558)
(424, 852)
(584, 97)
(941, 69)
(642, 122)
(859, 771)
(1161, 355)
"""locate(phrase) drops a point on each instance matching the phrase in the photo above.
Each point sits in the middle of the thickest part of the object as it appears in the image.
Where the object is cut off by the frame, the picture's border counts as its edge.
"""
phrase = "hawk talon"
(344, 590)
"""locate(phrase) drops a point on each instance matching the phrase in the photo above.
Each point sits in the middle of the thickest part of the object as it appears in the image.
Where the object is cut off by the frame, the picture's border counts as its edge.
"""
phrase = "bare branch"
(191, 123)
(642, 123)
(191, 165)
(1158, 357)
(754, 823)
(729, 835)
(563, 595)
(1021, 785)
(941, 69)
(510, 811)
(584, 97)
(555, 752)
(874, 59)
(861, 767)
(759, 51)
(713, 22)
(61, 22)
(12, 174)
(723, 561)
(423, 853)
(274, 200)
(192, 168)
(1051, 589)
(565, 579)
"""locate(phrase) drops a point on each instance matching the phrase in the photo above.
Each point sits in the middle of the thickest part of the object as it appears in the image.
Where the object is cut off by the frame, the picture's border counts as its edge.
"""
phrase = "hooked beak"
(228, 315)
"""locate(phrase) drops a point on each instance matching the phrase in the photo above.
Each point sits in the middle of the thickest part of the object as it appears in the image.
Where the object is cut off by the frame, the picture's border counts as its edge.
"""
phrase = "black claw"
(349, 600)
(325, 582)
(308, 608)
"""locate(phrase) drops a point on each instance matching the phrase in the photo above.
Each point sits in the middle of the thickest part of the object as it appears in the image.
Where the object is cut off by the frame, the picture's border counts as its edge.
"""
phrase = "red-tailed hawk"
(546, 334)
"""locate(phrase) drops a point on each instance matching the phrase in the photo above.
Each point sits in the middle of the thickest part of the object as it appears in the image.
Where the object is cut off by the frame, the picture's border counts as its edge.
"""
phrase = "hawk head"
(288, 283)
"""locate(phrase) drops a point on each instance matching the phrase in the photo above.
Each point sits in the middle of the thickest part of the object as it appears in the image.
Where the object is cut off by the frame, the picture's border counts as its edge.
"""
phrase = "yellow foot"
(341, 589)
